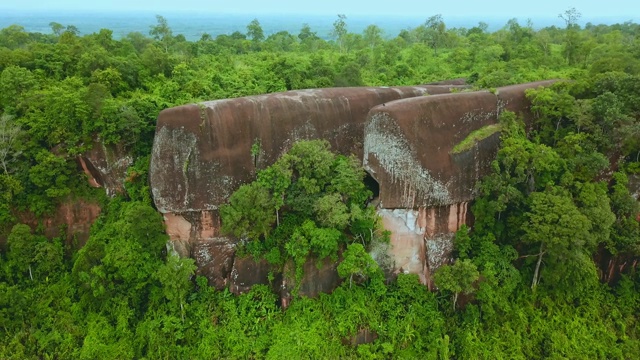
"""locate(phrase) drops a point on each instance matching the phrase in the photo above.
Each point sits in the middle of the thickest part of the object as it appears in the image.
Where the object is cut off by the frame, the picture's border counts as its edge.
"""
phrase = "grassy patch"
(474, 137)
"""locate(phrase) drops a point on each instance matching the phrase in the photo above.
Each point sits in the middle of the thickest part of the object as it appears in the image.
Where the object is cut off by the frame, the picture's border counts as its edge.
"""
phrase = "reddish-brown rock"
(425, 186)
(106, 166)
(214, 260)
(513, 98)
(71, 219)
(319, 276)
(458, 81)
(202, 153)
(407, 148)
(248, 271)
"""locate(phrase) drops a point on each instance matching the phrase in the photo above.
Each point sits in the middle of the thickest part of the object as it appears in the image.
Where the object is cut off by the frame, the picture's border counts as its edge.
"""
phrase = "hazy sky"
(448, 8)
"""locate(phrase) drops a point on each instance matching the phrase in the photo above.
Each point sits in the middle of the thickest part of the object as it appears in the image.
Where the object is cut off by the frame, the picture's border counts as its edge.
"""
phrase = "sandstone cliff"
(426, 186)
(203, 152)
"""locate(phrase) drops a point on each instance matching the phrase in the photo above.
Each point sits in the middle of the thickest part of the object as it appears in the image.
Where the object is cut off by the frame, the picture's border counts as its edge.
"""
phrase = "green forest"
(530, 280)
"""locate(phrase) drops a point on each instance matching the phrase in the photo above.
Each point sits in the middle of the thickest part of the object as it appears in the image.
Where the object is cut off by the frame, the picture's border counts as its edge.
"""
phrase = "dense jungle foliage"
(529, 280)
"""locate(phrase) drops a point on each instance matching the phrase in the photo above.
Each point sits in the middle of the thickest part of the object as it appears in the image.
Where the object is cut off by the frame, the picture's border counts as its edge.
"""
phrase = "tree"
(358, 265)
(435, 33)
(254, 31)
(570, 17)
(249, 213)
(175, 276)
(120, 260)
(21, 243)
(563, 233)
(339, 31)
(572, 37)
(457, 278)
(10, 133)
(310, 201)
(72, 30)
(372, 35)
(56, 28)
(33, 255)
(306, 33)
(15, 83)
(13, 37)
(162, 32)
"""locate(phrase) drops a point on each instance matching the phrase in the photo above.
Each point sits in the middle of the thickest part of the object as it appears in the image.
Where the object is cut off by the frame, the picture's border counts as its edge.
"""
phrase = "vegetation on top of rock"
(310, 201)
(474, 137)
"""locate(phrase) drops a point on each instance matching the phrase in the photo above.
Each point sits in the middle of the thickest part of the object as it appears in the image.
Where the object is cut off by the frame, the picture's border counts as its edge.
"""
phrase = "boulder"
(106, 166)
(203, 152)
(425, 182)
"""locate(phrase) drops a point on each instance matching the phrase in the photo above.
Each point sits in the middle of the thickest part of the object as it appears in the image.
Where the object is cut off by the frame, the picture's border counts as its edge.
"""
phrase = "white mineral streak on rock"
(417, 245)
(407, 245)
(383, 140)
(203, 254)
(439, 249)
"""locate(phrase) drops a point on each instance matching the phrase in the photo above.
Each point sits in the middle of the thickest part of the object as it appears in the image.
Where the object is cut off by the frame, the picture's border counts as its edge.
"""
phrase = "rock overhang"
(408, 144)
(203, 152)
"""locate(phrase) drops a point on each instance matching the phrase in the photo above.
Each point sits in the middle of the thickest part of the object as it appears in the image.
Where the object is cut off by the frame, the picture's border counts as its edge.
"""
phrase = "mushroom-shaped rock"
(427, 155)
(203, 152)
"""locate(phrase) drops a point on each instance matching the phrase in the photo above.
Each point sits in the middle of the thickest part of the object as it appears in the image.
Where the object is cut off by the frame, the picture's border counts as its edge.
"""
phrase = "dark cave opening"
(372, 184)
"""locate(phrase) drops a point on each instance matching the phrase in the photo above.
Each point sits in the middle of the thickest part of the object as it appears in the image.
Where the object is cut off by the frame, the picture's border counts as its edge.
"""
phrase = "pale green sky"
(448, 8)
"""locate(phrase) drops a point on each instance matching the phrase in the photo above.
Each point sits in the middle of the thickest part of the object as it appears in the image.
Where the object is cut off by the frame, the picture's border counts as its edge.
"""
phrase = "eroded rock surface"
(72, 220)
(203, 152)
(106, 166)
(425, 186)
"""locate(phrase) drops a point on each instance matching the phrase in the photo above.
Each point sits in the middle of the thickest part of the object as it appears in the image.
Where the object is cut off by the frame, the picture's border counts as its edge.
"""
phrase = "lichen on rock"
(384, 141)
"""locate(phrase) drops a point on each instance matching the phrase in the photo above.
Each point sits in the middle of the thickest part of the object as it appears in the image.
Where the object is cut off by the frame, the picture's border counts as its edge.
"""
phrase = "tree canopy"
(547, 270)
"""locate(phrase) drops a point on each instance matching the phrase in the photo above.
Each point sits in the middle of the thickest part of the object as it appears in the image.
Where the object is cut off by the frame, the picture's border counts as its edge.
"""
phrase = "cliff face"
(202, 153)
(72, 219)
(106, 166)
(426, 186)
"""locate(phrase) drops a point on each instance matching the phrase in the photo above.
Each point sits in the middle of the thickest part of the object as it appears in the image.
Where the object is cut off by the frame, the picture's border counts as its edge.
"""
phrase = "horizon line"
(161, 12)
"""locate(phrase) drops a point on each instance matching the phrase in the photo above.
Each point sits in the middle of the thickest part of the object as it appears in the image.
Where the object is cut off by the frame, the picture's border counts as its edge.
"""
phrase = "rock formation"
(203, 152)
(106, 166)
(72, 219)
(425, 186)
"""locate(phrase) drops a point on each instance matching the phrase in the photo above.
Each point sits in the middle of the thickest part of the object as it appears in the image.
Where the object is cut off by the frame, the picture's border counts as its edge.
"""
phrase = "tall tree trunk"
(536, 273)
(182, 311)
